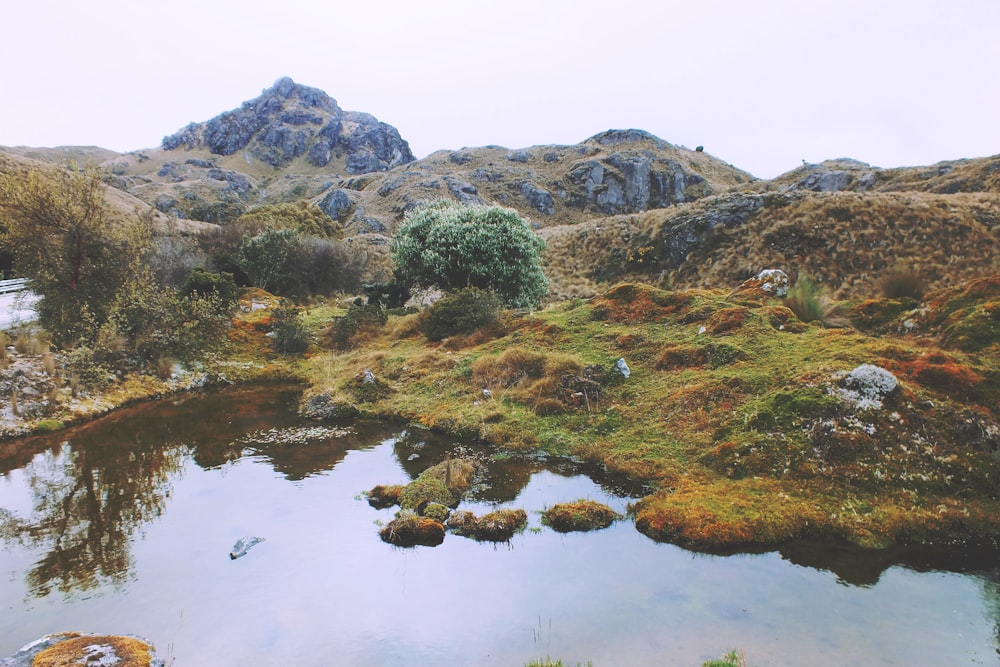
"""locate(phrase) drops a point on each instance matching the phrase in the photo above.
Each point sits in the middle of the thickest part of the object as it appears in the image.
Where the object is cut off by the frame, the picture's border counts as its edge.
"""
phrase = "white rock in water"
(243, 545)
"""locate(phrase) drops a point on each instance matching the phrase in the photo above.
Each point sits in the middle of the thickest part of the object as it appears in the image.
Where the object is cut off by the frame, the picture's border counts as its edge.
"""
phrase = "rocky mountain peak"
(632, 136)
(289, 121)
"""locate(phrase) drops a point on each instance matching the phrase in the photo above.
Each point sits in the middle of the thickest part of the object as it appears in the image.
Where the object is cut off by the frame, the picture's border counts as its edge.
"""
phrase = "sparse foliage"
(360, 316)
(462, 312)
(451, 246)
(290, 335)
(64, 240)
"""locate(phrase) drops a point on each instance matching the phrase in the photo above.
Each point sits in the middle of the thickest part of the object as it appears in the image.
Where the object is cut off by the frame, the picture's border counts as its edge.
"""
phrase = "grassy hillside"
(848, 241)
(121, 204)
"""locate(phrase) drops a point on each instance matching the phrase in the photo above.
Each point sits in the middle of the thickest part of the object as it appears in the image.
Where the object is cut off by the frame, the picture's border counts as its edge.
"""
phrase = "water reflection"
(864, 567)
(94, 486)
(86, 504)
(190, 476)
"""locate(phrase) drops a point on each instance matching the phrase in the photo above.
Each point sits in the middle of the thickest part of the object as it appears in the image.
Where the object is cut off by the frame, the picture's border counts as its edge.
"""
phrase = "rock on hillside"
(287, 144)
(843, 174)
(615, 172)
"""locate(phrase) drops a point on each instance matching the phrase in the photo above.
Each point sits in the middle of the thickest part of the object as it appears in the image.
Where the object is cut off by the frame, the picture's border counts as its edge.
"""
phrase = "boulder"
(243, 545)
(74, 648)
(766, 284)
(337, 204)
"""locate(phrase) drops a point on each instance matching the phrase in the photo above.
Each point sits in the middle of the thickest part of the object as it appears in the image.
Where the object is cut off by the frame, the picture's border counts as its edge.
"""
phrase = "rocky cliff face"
(290, 120)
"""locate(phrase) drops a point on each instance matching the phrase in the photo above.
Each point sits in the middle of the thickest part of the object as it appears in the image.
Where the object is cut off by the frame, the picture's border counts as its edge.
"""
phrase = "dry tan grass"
(847, 241)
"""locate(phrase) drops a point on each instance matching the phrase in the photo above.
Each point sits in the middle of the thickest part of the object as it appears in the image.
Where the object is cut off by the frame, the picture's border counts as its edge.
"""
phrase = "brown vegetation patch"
(498, 526)
(383, 495)
(723, 514)
(581, 515)
(673, 357)
(727, 319)
(409, 529)
(634, 303)
(535, 379)
(879, 316)
(942, 373)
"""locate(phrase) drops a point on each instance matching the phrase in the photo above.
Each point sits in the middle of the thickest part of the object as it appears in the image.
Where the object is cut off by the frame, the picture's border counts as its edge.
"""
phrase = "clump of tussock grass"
(811, 304)
(902, 285)
(410, 529)
(384, 495)
(497, 526)
(581, 515)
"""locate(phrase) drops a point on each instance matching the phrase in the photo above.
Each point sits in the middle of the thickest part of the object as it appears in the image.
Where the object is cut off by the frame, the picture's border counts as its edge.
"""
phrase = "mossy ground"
(732, 411)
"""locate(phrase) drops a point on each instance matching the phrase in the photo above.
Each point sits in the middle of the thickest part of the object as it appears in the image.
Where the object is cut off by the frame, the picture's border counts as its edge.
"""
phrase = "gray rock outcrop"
(290, 120)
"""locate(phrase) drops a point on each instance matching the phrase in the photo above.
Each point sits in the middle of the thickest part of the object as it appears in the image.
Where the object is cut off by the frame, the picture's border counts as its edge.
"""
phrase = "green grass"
(745, 425)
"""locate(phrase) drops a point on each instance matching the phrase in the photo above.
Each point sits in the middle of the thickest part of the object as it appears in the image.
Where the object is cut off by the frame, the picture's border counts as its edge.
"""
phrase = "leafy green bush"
(206, 284)
(264, 257)
(148, 322)
(462, 312)
(290, 335)
(451, 246)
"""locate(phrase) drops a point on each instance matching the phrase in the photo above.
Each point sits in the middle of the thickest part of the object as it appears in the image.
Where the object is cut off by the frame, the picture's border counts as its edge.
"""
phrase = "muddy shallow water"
(125, 525)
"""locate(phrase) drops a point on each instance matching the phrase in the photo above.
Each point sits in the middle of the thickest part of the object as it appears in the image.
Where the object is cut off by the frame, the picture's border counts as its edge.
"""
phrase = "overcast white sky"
(762, 84)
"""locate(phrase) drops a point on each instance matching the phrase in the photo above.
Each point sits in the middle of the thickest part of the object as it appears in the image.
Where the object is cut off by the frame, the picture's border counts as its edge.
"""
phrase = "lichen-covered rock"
(337, 204)
(323, 407)
(867, 386)
(74, 648)
(769, 283)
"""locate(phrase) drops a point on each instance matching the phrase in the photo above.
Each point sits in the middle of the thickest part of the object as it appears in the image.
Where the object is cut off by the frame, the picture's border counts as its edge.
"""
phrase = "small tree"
(290, 335)
(263, 257)
(66, 240)
(452, 246)
(301, 216)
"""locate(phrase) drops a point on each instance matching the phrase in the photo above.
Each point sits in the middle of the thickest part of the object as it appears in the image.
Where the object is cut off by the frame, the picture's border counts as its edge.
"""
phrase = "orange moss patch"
(410, 529)
(940, 372)
(727, 319)
(723, 514)
(89, 649)
(632, 304)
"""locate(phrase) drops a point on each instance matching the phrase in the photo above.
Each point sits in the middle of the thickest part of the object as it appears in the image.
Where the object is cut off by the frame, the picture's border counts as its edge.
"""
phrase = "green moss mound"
(581, 515)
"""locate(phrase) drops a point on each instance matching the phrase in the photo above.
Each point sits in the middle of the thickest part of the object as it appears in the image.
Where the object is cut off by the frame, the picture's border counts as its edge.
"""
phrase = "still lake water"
(124, 525)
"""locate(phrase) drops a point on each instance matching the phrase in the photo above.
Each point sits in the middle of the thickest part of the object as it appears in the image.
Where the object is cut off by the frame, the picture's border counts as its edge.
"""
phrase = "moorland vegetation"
(861, 405)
